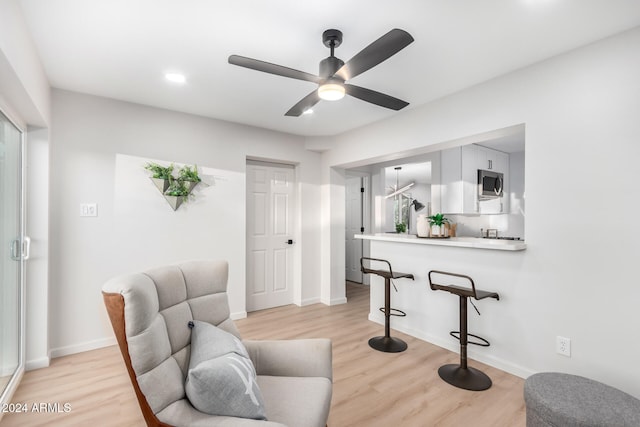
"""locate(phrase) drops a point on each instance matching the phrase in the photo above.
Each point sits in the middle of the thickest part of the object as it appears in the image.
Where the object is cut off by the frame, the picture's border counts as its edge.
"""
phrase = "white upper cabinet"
(459, 179)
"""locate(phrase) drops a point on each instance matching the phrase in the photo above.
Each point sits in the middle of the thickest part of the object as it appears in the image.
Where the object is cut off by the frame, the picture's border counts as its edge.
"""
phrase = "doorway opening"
(357, 212)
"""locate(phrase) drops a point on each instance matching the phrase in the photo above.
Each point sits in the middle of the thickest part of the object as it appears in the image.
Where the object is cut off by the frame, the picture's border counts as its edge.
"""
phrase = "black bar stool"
(461, 375)
(386, 343)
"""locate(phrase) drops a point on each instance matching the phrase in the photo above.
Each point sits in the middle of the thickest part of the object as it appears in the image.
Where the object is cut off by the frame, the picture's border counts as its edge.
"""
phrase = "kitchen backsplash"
(507, 225)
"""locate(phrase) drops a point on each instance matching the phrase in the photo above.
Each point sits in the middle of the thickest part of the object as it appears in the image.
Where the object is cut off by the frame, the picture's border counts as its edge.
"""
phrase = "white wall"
(23, 84)
(578, 276)
(96, 143)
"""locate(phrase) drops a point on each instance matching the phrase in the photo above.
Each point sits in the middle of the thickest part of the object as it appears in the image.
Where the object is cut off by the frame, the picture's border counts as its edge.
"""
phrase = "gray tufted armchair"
(149, 311)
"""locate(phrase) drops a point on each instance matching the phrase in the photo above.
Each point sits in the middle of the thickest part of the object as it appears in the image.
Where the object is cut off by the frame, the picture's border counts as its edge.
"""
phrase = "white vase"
(422, 226)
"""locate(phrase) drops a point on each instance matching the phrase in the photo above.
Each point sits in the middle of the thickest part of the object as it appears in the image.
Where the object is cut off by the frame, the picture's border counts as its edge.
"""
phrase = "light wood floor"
(370, 388)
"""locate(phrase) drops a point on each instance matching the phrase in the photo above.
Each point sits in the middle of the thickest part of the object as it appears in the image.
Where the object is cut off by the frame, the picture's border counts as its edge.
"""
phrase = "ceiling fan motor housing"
(332, 38)
(329, 66)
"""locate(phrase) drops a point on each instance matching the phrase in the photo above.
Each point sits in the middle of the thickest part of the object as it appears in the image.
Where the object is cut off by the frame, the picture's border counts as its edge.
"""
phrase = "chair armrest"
(292, 358)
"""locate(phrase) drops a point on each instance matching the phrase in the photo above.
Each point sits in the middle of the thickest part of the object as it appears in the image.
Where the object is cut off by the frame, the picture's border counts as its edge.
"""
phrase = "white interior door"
(354, 223)
(270, 209)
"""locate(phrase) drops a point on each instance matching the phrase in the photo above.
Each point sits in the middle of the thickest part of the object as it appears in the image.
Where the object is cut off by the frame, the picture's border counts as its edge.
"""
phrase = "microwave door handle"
(497, 188)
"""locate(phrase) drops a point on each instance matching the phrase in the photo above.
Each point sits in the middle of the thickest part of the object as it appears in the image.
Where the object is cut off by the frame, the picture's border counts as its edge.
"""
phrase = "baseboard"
(42, 362)
(82, 347)
(238, 315)
(335, 301)
(309, 301)
(453, 346)
(30, 365)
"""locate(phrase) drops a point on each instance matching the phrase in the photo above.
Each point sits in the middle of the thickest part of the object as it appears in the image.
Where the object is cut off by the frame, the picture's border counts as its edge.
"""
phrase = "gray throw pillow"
(222, 378)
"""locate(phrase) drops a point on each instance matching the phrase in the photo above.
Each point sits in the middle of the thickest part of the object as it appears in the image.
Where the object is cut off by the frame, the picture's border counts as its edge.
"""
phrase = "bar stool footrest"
(482, 342)
(394, 312)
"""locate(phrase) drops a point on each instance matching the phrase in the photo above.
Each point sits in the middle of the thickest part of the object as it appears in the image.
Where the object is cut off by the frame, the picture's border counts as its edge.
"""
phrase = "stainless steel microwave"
(489, 184)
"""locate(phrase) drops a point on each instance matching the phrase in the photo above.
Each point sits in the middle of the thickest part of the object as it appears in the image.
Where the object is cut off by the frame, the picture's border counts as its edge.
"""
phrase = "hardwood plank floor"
(370, 388)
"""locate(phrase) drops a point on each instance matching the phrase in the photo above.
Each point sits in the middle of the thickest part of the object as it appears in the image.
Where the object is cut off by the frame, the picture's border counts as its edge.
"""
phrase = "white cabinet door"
(451, 181)
(472, 159)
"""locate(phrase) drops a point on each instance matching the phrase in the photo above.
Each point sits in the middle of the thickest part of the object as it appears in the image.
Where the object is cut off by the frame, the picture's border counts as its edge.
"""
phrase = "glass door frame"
(22, 255)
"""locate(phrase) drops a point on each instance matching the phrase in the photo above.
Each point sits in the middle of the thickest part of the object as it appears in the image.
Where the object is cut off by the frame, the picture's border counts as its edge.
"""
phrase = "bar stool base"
(466, 378)
(388, 344)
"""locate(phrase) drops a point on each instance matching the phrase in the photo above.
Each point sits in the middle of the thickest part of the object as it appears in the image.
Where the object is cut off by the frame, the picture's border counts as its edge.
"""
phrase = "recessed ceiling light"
(175, 78)
(308, 111)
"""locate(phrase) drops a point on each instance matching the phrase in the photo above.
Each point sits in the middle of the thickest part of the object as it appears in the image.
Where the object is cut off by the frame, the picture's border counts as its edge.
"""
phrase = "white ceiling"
(122, 48)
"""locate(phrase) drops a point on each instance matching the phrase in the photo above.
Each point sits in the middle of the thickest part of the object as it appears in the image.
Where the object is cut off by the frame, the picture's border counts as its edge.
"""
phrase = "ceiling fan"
(334, 73)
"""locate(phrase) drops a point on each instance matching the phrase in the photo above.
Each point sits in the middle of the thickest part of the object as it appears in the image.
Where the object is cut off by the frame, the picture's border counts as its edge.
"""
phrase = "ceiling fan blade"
(378, 51)
(374, 97)
(304, 104)
(268, 67)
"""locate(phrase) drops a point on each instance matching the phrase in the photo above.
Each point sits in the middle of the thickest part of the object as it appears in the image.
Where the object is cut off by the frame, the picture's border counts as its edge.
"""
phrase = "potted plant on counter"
(437, 223)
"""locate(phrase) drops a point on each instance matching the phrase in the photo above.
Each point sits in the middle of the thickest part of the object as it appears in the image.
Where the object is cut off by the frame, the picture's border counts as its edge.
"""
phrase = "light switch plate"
(89, 209)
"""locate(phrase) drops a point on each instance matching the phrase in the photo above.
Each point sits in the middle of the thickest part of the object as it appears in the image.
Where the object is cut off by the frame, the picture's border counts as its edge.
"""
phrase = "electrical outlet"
(563, 346)
(89, 209)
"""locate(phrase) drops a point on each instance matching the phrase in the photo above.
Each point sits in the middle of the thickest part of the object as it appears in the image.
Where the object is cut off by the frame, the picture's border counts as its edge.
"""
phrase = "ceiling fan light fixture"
(331, 91)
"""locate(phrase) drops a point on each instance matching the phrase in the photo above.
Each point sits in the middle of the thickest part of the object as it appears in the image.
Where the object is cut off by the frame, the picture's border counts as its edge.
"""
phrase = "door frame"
(7, 393)
(296, 226)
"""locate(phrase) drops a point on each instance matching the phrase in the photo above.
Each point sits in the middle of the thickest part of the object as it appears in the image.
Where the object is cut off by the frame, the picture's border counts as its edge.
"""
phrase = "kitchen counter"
(463, 242)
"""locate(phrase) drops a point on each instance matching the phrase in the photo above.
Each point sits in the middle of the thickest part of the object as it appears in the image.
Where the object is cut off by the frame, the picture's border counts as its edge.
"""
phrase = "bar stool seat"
(461, 375)
(386, 343)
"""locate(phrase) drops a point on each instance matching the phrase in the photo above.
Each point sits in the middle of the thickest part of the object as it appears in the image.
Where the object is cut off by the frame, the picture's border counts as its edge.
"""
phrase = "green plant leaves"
(438, 219)
(186, 173)
(158, 171)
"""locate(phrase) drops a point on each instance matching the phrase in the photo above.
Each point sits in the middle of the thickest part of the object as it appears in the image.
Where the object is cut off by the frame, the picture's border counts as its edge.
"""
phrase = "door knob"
(289, 242)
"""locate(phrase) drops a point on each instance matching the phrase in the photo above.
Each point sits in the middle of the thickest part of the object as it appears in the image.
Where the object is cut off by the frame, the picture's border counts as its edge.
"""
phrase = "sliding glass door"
(13, 253)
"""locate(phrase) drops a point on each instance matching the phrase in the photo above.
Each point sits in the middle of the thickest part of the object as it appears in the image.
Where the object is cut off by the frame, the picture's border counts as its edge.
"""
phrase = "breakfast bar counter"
(494, 264)
(462, 242)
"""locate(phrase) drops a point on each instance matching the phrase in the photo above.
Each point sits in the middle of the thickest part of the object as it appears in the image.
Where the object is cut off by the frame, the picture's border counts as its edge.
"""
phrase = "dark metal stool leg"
(461, 375)
(387, 343)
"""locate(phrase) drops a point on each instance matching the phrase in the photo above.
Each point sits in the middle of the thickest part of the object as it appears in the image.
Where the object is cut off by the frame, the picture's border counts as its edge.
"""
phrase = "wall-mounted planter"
(161, 184)
(175, 201)
(175, 190)
(190, 185)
